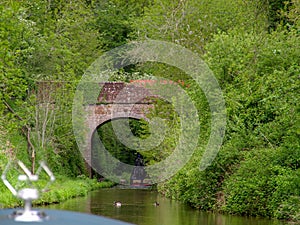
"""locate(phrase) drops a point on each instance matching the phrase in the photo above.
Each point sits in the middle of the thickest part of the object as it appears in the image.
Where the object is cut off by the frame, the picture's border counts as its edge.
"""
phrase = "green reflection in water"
(138, 208)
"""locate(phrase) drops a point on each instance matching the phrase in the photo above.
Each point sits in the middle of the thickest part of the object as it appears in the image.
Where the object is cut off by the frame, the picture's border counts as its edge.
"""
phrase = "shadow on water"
(138, 208)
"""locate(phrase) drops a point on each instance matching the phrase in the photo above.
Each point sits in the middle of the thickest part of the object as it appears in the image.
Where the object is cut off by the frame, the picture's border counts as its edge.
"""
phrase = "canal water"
(138, 208)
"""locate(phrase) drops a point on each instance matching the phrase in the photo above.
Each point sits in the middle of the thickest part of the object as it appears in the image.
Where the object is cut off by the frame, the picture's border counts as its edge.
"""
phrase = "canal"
(138, 208)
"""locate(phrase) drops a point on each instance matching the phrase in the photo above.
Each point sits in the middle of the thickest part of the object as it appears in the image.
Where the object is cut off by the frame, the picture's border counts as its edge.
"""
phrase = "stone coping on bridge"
(124, 93)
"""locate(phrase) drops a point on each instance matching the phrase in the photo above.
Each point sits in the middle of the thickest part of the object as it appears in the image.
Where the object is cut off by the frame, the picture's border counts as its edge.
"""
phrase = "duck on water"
(117, 203)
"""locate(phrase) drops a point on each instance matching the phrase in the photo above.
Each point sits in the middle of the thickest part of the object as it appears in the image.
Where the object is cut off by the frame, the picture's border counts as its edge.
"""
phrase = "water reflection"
(138, 208)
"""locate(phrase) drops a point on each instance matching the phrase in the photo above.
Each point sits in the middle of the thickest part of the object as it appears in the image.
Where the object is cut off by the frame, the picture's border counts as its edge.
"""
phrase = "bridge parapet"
(124, 93)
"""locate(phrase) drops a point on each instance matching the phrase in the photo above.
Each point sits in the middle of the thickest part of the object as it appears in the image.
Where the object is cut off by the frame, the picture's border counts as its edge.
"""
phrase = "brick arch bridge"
(116, 100)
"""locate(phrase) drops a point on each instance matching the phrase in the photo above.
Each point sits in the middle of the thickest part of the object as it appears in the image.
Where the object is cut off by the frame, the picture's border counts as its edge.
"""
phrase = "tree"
(115, 20)
(193, 23)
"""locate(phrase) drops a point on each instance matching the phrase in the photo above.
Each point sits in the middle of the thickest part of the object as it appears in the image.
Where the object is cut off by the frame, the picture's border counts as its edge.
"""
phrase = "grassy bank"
(61, 190)
(70, 182)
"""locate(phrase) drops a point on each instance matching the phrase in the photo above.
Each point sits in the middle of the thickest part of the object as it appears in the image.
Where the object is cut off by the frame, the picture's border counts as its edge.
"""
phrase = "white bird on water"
(117, 204)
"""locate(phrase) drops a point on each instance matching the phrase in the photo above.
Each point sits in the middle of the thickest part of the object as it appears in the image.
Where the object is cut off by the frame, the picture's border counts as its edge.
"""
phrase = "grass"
(61, 190)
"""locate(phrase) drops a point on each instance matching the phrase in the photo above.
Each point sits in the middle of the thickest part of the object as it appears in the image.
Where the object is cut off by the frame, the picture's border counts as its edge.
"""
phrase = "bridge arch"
(103, 145)
(115, 101)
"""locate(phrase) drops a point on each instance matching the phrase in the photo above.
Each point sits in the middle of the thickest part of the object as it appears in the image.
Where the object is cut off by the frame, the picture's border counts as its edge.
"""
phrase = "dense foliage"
(252, 46)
